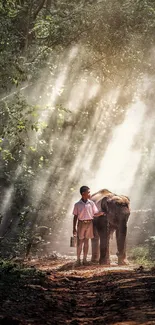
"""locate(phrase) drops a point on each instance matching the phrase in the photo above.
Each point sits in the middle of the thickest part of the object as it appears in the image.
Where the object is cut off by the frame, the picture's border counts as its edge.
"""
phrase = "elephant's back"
(98, 196)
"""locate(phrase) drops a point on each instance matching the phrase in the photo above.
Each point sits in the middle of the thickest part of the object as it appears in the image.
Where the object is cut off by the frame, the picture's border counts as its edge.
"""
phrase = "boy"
(84, 212)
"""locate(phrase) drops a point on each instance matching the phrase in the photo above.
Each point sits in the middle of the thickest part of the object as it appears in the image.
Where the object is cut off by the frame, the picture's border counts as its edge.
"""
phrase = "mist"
(107, 157)
(89, 120)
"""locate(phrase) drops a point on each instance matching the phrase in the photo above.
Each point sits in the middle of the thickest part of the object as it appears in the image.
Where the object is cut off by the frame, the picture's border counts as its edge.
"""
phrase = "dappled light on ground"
(80, 295)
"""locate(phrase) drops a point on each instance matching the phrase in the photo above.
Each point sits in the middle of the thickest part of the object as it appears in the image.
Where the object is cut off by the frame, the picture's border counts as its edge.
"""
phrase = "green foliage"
(140, 255)
(113, 38)
(19, 122)
(150, 243)
(144, 255)
(10, 271)
(115, 34)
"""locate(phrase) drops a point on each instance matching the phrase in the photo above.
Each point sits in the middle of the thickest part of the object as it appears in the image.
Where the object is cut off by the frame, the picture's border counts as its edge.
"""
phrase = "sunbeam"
(120, 161)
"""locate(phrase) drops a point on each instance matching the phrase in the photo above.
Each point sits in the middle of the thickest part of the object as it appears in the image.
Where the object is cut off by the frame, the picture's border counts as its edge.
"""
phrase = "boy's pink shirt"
(85, 211)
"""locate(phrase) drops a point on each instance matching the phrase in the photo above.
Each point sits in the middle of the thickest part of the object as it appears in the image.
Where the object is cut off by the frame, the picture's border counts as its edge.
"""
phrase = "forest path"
(94, 294)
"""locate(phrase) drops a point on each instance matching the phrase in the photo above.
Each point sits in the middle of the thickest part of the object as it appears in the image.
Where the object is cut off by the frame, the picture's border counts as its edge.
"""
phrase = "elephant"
(116, 210)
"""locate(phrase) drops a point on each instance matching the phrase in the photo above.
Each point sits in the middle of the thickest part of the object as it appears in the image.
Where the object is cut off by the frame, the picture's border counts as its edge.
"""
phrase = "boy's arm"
(74, 224)
(98, 214)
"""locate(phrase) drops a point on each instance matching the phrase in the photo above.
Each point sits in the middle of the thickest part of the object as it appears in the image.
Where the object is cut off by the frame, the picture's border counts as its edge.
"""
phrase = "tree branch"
(42, 2)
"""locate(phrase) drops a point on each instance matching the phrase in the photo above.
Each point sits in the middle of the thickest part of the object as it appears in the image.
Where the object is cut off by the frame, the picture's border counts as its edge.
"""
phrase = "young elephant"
(117, 212)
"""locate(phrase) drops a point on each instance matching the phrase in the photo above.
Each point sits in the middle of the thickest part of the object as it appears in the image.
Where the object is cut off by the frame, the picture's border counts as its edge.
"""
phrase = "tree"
(65, 49)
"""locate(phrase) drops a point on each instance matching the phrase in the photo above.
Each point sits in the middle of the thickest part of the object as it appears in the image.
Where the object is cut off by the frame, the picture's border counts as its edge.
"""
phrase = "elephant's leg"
(95, 246)
(121, 242)
(104, 234)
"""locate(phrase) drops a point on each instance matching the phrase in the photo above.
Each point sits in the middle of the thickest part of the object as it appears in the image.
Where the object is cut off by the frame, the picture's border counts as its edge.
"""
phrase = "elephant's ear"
(98, 196)
(104, 203)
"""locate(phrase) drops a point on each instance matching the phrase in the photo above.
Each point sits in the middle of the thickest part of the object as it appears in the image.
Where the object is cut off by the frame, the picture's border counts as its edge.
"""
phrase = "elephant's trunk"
(121, 233)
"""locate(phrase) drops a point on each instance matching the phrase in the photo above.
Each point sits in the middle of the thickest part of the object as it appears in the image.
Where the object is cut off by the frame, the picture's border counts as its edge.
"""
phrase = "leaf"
(32, 148)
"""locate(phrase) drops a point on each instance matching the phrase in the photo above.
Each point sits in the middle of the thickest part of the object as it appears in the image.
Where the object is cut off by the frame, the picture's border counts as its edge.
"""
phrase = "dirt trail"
(85, 295)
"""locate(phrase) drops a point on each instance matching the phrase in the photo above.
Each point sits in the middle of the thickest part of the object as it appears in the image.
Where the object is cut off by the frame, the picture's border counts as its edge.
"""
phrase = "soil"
(93, 294)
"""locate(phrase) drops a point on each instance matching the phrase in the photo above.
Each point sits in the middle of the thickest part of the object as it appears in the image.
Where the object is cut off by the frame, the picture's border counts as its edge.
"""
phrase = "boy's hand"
(102, 213)
(99, 214)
